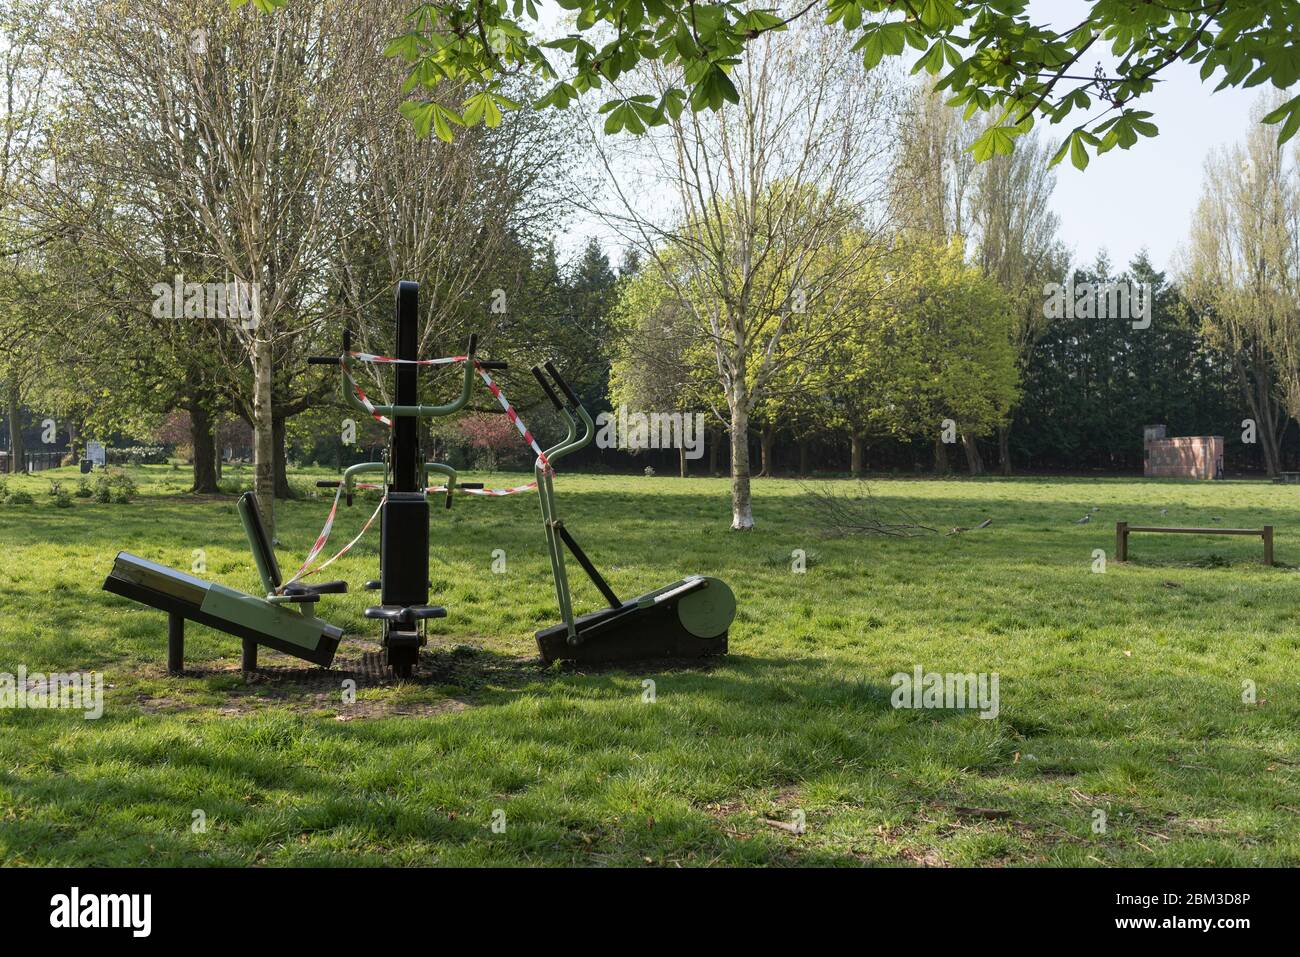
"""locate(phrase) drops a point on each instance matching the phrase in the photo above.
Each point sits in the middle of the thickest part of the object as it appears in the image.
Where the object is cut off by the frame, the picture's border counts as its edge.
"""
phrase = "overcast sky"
(1126, 201)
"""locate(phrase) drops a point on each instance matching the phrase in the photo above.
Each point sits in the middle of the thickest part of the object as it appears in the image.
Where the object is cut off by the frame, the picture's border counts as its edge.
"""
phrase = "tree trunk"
(940, 457)
(282, 490)
(974, 461)
(803, 458)
(263, 435)
(857, 446)
(742, 513)
(1270, 433)
(682, 466)
(201, 441)
(72, 440)
(17, 451)
(216, 452)
(765, 439)
(1257, 389)
(1004, 449)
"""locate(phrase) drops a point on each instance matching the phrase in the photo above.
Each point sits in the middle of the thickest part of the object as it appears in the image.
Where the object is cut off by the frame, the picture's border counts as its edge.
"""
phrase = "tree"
(999, 210)
(929, 342)
(1094, 381)
(1017, 246)
(24, 73)
(991, 57)
(747, 214)
(1244, 273)
(466, 219)
(567, 317)
(659, 361)
(210, 166)
(269, 152)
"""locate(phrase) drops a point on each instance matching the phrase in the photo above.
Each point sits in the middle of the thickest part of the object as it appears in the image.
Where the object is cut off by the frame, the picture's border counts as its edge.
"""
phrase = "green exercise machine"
(689, 618)
(283, 620)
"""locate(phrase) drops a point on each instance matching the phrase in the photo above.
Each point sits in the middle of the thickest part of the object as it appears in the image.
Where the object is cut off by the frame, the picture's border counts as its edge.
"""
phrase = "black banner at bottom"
(129, 907)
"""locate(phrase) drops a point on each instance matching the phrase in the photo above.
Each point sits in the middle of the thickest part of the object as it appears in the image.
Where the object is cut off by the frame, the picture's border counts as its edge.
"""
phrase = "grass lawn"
(1120, 692)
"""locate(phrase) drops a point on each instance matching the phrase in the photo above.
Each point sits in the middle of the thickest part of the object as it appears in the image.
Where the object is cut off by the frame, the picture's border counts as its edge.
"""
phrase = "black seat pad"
(405, 613)
(319, 588)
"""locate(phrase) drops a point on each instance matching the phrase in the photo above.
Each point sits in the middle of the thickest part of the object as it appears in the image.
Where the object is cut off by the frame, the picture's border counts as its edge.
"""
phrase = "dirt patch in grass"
(445, 679)
(922, 856)
(162, 705)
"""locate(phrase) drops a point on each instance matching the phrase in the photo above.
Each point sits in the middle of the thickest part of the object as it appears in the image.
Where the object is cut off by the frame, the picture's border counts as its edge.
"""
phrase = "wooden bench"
(1122, 530)
(1287, 478)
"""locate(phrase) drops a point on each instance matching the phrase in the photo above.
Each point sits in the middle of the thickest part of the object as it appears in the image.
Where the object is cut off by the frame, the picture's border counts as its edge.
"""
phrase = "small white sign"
(95, 453)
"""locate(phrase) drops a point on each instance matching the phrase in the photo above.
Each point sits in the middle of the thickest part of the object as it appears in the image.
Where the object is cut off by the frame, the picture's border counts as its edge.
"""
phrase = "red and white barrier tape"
(487, 491)
(500, 396)
(321, 539)
(495, 389)
(371, 357)
(513, 416)
(365, 400)
(325, 534)
(497, 492)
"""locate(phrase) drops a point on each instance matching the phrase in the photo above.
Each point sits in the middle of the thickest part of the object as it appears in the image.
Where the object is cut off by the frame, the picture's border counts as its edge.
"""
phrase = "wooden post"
(175, 644)
(249, 660)
(1268, 545)
(1121, 541)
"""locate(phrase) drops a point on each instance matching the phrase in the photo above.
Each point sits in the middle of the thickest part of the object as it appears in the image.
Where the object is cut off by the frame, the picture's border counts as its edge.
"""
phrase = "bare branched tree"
(459, 217)
(754, 216)
(1243, 271)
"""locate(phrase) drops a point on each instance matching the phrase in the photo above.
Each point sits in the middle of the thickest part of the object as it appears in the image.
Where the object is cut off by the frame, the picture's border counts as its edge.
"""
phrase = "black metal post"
(404, 521)
(175, 644)
(405, 449)
(248, 660)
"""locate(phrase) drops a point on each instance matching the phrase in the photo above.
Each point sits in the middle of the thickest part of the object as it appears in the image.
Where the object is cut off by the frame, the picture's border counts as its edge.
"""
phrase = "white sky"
(1125, 201)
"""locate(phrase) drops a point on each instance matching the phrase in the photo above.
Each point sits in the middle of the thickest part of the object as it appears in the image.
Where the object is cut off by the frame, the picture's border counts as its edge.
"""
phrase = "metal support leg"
(248, 660)
(546, 497)
(596, 577)
(175, 644)
(1268, 545)
(1121, 541)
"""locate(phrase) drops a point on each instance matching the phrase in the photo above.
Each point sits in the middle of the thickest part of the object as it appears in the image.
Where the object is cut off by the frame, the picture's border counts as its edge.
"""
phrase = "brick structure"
(1184, 456)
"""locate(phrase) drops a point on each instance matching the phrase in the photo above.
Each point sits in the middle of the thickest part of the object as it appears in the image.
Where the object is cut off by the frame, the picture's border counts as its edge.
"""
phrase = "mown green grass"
(1120, 692)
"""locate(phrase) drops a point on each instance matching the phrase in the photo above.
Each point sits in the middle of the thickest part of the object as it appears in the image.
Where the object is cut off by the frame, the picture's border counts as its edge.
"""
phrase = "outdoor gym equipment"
(403, 582)
(258, 621)
(687, 619)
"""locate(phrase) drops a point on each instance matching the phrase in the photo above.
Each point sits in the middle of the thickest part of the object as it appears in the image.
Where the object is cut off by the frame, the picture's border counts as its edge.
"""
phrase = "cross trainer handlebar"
(564, 386)
(546, 387)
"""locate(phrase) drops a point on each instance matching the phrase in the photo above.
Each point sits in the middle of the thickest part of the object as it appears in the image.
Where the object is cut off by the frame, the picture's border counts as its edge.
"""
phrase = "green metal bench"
(257, 621)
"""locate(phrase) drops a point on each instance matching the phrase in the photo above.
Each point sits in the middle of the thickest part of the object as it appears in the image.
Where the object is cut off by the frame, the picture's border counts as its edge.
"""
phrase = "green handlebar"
(414, 411)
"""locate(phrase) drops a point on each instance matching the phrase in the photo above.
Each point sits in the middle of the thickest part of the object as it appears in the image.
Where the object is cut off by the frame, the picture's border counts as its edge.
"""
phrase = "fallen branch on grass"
(958, 529)
(860, 513)
(784, 825)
